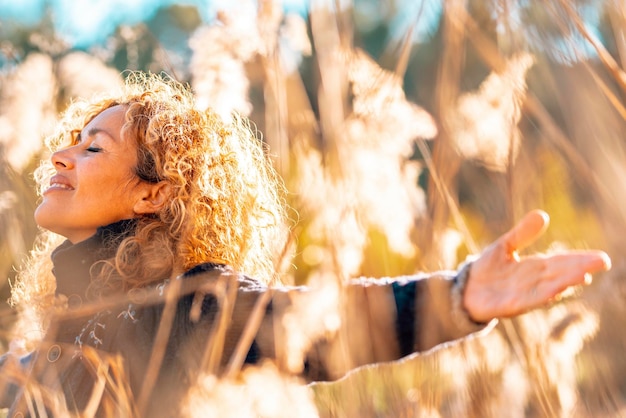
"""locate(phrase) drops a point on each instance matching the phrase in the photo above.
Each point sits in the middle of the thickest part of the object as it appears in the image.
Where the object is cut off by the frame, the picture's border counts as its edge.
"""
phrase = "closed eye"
(94, 149)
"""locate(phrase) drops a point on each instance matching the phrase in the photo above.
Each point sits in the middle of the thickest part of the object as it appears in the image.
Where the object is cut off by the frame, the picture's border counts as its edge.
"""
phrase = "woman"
(164, 209)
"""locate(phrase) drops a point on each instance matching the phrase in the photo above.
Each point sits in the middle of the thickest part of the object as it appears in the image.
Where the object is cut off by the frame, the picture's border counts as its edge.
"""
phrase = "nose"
(62, 159)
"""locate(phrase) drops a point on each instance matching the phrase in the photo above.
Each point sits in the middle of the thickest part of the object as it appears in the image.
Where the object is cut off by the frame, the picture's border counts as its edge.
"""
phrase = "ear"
(153, 198)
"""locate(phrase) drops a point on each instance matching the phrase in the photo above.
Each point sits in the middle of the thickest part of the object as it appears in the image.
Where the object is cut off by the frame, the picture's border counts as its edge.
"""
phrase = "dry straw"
(344, 141)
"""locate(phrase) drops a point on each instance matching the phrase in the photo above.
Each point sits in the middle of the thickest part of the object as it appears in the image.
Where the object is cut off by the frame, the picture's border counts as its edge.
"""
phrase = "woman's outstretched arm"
(385, 319)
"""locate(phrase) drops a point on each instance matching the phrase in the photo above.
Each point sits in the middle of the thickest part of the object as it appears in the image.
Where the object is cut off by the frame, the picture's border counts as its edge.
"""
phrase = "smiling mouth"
(59, 186)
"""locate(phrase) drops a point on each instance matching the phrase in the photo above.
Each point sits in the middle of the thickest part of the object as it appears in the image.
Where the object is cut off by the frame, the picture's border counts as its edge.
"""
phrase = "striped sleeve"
(372, 321)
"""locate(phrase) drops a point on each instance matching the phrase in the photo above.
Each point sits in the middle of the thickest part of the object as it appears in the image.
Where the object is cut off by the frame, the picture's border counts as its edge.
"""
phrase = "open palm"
(501, 284)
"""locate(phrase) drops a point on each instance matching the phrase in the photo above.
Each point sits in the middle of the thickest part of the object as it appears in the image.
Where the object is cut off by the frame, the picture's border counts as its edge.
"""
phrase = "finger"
(548, 290)
(531, 227)
(553, 268)
(559, 274)
(553, 274)
(584, 261)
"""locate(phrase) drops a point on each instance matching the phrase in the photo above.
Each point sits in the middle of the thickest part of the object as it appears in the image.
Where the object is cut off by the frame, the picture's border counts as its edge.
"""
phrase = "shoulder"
(207, 268)
(208, 271)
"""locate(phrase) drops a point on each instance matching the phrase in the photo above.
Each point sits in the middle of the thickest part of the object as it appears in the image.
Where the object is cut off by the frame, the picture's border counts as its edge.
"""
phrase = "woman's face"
(95, 184)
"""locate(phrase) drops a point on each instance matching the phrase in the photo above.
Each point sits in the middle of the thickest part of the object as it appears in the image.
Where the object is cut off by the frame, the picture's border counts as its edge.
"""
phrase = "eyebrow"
(94, 131)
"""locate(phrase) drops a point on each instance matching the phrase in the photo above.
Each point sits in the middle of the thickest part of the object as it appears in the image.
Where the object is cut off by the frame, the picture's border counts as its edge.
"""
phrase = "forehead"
(109, 120)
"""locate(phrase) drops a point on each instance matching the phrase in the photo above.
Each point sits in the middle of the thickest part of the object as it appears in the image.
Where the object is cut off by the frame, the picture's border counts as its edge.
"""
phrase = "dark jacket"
(140, 353)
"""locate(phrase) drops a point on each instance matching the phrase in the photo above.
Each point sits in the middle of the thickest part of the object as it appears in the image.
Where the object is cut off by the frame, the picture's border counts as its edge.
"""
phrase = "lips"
(59, 183)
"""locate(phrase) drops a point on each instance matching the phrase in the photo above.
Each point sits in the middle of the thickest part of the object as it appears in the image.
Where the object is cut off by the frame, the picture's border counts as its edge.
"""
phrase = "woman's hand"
(501, 284)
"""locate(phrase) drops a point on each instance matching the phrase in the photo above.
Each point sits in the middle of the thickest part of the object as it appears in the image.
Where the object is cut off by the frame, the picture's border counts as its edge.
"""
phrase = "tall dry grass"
(526, 111)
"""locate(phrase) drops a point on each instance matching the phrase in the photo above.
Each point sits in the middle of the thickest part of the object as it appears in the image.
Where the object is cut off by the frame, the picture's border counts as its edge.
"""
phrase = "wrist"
(459, 309)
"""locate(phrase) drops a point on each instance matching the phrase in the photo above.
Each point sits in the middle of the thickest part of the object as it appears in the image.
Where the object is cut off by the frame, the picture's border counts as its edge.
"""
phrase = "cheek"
(126, 185)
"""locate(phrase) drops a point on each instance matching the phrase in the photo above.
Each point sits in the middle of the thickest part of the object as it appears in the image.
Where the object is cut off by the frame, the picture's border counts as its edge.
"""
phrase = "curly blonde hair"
(226, 203)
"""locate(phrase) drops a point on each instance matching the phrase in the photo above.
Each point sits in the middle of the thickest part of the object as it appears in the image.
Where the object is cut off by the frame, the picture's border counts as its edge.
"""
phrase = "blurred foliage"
(360, 158)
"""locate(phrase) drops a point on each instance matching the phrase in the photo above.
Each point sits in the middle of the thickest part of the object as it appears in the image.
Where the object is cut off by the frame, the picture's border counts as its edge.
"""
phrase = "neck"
(73, 263)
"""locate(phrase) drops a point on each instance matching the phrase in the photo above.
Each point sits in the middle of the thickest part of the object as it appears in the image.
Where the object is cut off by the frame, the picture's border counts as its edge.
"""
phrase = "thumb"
(526, 231)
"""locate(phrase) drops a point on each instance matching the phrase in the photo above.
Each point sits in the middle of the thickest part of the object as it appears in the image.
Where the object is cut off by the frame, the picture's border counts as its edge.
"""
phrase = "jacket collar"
(72, 263)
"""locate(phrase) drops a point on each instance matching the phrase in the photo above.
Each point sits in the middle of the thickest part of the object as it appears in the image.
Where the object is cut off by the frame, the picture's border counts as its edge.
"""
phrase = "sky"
(83, 22)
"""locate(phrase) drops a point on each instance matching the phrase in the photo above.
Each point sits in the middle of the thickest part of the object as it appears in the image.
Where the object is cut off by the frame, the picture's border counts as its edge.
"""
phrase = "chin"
(45, 220)
(40, 218)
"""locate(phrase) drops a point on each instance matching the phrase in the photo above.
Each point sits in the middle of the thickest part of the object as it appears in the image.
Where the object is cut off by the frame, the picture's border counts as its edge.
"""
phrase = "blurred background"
(409, 133)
